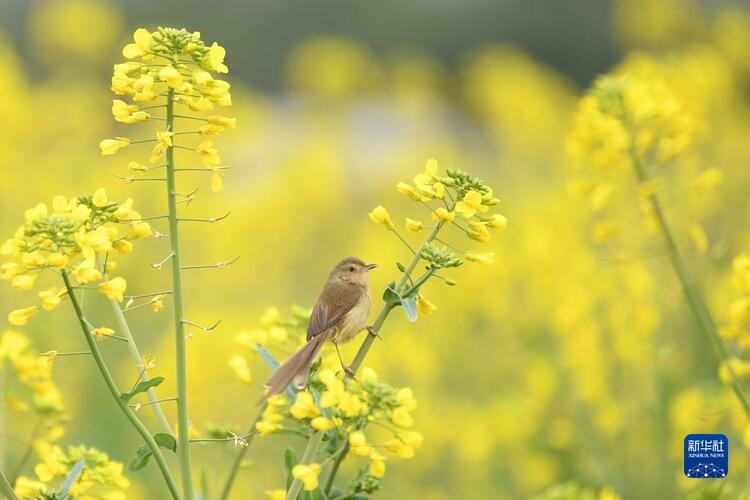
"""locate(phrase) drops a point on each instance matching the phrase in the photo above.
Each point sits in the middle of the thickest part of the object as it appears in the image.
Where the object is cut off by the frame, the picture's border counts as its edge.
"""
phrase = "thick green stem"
(692, 293)
(135, 355)
(312, 448)
(240, 456)
(183, 420)
(317, 437)
(115, 392)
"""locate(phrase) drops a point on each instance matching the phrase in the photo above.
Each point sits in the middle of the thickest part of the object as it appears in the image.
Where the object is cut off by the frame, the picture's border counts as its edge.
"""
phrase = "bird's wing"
(334, 302)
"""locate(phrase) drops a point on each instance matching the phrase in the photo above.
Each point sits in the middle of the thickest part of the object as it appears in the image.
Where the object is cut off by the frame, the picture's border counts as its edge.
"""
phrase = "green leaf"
(166, 441)
(391, 296)
(142, 386)
(139, 461)
(290, 460)
(401, 267)
(410, 307)
(72, 477)
(143, 453)
(267, 357)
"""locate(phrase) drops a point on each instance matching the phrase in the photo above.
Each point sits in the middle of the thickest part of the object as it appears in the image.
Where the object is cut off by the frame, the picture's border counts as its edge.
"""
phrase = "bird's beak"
(370, 266)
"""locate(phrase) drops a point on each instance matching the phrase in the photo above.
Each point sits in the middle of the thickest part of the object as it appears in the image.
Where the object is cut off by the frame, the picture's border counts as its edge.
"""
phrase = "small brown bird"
(339, 315)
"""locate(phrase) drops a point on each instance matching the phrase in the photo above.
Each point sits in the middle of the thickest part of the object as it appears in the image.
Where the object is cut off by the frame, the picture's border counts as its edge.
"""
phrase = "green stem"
(183, 420)
(240, 456)
(335, 468)
(692, 293)
(312, 448)
(115, 392)
(6, 488)
(135, 355)
(316, 438)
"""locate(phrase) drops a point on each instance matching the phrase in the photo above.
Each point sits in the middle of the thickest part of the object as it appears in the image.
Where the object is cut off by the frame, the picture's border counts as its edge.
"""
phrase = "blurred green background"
(554, 365)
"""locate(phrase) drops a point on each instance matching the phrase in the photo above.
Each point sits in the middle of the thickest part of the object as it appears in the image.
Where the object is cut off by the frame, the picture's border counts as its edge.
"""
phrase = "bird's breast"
(354, 321)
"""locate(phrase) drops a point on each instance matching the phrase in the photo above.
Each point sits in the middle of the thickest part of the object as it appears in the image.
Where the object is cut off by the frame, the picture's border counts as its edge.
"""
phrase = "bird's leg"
(344, 367)
(371, 331)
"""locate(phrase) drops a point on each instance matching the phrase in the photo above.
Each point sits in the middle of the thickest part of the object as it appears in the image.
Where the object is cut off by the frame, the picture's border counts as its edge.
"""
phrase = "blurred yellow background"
(571, 359)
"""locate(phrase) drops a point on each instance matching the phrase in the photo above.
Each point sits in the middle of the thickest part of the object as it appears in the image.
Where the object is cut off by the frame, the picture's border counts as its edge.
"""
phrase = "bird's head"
(352, 270)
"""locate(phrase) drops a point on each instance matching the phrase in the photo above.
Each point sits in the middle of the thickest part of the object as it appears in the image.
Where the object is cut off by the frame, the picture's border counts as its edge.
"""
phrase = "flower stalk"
(183, 419)
(115, 392)
(135, 356)
(693, 295)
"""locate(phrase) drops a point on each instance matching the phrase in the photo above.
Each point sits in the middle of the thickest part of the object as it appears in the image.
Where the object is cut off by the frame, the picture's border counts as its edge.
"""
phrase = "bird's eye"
(352, 269)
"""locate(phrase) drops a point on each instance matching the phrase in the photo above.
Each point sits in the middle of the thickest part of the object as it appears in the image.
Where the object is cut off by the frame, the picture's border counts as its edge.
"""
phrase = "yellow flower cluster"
(342, 407)
(34, 372)
(67, 237)
(626, 119)
(457, 193)
(175, 65)
(737, 326)
(101, 478)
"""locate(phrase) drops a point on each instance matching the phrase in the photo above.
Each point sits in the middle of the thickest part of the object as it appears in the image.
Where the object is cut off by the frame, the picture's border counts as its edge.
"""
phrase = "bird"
(340, 313)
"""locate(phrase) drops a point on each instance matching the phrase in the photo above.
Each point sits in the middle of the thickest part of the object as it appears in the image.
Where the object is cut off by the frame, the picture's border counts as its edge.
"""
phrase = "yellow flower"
(114, 288)
(215, 59)
(498, 222)
(424, 306)
(157, 304)
(57, 260)
(411, 438)
(141, 47)
(51, 298)
(128, 113)
(470, 204)
(357, 439)
(275, 494)
(217, 184)
(140, 230)
(208, 154)
(136, 167)
(20, 317)
(112, 146)
(322, 424)
(123, 247)
(265, 428)
(411, 192)
(482, 258)
(163, 142)
(100, 198)
(429, 176)
(24, 282)
(400, 448)
(739, 311)
(241, 369)
(401, 417)
(377, 464)
(171, 76)
(222, 121)
(308, 474)
(405, 398)
(210, 129)
(304, 406)
(87, 272)
(380, 215)
(413, 226)
(102, 332)
(443, 215)
(478, 231)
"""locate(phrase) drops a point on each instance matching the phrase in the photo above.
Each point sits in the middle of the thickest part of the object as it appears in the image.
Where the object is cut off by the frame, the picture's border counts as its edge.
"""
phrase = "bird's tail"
(295, 369)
